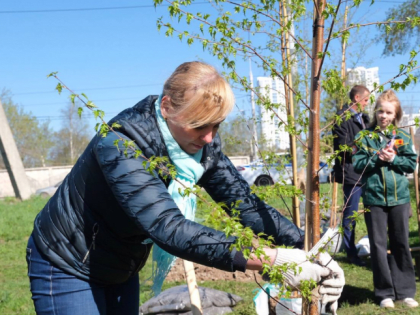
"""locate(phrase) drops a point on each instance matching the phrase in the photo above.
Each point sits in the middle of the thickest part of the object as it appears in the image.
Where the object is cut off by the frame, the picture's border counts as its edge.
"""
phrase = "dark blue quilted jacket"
(95, 224)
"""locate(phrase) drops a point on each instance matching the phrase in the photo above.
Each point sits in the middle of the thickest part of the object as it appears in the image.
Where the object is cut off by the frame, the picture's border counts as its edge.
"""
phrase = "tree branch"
(368, 24)
(276, 22)
(329, 39)
(256, 53)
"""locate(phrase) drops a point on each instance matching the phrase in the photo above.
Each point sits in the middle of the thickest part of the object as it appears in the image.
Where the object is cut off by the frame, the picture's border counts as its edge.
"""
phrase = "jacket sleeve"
(144, 198)
(225, 184)
(406, 159)
(364, 161)
(342, 135)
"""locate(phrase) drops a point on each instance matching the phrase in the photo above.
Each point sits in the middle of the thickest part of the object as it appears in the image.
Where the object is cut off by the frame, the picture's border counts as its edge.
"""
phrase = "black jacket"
(345, 134)
(94, 225)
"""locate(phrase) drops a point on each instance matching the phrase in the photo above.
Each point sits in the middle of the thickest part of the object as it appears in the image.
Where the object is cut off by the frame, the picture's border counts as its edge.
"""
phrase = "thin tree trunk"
(312, 184)
(290, 112)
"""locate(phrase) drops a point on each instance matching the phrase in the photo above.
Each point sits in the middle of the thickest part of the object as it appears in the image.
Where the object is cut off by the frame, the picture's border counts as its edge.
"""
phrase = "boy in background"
(344, 134)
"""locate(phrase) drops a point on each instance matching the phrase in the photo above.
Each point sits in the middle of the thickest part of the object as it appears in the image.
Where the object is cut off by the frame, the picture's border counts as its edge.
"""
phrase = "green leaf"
(115, 125)
(346, 36)
(72, 97)
(52, 74)
(116, 143)
(104, 130)
(137, 153)
(80, 111)
(90, 105)
(59, 88)
(189, 18)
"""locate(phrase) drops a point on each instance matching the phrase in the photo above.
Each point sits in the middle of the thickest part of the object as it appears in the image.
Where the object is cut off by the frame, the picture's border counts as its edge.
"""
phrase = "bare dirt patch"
(204, 273)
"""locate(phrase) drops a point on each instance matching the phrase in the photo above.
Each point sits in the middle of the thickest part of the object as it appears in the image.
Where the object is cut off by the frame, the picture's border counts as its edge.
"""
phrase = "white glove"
(333, 308)
(331, 287)
(309, 270)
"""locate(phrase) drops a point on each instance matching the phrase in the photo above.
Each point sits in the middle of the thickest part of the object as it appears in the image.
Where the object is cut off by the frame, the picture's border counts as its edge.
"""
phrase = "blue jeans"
(352, 196)
(56, 292)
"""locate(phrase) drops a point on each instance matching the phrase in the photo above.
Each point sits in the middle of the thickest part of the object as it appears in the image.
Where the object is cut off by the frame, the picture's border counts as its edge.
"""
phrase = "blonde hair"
(388, 96)
(198, 94)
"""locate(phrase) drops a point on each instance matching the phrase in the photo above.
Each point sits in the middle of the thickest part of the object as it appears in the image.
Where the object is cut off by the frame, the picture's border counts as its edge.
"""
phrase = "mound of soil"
(204, 273)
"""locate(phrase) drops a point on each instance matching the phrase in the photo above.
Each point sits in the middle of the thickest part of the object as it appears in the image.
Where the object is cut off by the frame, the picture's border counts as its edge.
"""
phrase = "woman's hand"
(300, 268)
(332, 286)
(386, 155)
(325, 271)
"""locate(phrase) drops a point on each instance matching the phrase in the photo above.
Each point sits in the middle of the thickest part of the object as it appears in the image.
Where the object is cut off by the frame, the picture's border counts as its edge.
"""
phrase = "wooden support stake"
(193, 288)
(286, 56)
(333, 218)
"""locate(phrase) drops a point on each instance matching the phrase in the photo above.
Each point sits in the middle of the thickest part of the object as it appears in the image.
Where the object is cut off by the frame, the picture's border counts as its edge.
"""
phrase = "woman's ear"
(165, 106)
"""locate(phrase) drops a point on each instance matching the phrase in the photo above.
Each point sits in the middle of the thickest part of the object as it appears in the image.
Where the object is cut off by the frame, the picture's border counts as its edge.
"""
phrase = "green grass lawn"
(16, 220)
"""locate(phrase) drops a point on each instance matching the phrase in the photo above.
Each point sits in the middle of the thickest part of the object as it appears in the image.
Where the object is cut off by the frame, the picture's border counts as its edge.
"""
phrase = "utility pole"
(71, 135)
(12, 160)
(343, 54)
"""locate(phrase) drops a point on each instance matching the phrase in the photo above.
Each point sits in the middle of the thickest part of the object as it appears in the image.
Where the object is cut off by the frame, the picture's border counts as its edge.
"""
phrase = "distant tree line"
(38, 144)
(236, 137)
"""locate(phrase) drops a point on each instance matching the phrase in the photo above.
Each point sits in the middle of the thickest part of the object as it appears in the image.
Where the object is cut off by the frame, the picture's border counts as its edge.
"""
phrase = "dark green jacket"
(384, 183)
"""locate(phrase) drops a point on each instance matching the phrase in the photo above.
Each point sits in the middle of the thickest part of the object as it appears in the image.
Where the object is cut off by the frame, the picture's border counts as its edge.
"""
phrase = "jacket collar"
(364, 116)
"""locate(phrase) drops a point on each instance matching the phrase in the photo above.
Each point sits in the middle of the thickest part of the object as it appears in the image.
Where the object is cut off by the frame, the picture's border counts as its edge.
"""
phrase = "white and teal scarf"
(189, 171)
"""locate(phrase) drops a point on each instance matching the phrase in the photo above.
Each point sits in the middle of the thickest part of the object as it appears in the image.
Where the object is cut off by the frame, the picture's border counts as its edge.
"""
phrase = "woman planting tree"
(96, 232)
(383, 154)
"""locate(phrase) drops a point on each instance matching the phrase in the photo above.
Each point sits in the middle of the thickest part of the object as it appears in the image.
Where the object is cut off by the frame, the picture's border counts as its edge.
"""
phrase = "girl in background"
(383, 156)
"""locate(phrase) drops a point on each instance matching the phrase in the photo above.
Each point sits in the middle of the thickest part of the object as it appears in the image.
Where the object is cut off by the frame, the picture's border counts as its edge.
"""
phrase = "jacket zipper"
(95, 230)
(383, 178)
(395, 185)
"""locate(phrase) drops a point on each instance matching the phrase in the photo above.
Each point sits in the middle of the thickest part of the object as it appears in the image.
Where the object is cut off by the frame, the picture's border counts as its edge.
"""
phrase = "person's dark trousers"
(352, 195)
(393, 275)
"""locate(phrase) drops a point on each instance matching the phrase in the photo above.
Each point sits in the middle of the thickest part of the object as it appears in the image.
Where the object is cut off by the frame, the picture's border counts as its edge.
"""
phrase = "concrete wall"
(39, 177)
